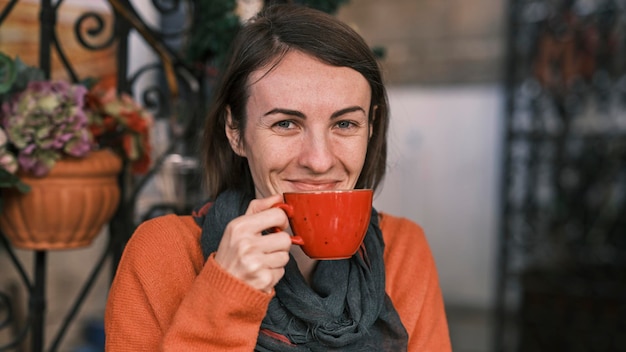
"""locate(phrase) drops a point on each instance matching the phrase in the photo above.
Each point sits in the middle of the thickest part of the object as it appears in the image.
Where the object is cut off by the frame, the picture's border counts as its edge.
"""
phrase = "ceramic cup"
(328, 224)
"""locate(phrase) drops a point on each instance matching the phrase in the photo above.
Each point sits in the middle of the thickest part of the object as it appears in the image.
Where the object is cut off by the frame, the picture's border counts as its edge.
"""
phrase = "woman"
(301, 107)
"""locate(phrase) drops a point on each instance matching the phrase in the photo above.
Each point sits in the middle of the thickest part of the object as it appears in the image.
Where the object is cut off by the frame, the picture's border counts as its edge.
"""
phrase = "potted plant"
(58, 172)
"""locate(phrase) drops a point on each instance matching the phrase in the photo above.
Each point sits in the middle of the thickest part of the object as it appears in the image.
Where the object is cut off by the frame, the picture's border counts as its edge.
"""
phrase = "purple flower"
(45, 121)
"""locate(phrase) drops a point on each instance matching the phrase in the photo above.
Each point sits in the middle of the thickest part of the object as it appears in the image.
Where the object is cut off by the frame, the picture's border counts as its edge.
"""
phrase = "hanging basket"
(65, 209)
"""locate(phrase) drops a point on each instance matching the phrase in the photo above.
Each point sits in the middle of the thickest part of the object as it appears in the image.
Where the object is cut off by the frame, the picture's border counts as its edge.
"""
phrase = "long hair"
(262, 42)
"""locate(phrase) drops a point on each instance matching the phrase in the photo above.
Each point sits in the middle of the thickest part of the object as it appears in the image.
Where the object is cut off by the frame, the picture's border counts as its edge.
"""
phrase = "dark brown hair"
(262, 42)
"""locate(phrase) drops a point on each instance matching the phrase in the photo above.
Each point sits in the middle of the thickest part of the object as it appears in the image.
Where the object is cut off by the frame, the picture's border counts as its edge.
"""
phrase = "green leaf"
(26, 74)
(89, 82)
(9, 180)
(22, 187)
(8, 73)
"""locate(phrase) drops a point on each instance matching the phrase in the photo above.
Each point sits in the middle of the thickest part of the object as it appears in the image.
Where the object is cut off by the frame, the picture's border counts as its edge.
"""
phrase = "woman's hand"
(259, 260)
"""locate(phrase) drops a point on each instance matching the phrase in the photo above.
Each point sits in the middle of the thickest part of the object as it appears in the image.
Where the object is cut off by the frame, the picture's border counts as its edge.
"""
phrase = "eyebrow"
(299, 114)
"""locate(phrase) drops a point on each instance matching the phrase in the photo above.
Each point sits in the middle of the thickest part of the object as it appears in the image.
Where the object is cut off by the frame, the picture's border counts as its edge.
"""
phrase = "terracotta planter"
(65, 209)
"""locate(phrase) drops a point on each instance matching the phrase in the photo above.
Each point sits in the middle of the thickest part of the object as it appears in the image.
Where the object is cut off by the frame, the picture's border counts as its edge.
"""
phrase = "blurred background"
(507, 144)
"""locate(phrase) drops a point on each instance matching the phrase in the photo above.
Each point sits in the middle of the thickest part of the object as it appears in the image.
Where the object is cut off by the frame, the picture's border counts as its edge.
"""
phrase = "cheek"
(352, 153)
(265, 155)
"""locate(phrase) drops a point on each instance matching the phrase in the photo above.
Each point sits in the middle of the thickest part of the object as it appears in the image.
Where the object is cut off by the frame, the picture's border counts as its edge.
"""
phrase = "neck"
(305, 264)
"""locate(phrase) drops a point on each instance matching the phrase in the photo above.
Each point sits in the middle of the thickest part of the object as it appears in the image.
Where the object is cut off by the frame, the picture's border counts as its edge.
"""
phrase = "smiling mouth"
(314, 185)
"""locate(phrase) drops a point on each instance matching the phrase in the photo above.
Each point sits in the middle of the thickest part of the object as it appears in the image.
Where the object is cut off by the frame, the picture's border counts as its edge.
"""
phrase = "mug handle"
(289, 211)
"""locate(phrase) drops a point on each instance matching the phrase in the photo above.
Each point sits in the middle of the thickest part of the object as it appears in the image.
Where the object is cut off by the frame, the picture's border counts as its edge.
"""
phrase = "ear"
(233, 133)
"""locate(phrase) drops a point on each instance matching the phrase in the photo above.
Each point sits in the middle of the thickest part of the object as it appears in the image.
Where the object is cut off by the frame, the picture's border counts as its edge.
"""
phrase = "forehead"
(303, 76)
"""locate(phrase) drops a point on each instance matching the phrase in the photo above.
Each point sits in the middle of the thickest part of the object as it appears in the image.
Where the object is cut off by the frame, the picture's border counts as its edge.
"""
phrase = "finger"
(267, 281)
(257, 247)
(256, 224)
(276, 260)
(274, 242)
(262, 271)
(258, 205)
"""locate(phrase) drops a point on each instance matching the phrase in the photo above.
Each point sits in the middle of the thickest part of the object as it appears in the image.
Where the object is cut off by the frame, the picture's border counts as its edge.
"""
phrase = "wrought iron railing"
(562, 267)
(178, 96)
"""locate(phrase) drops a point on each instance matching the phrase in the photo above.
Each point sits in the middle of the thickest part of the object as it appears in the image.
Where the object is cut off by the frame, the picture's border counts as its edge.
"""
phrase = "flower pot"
(65, 209)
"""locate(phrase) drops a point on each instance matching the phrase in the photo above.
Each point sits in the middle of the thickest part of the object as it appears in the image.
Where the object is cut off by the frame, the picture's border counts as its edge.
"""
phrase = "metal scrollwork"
(7, 9)
(153, 96)
(166, 9)
(562, 250)
(8, 321)
(93, 25)
(167, 88)
(6, 311)
(8, 316)
(166, 6)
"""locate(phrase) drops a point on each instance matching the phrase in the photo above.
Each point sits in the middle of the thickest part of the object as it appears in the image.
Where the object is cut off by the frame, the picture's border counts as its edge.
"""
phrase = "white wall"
(443, 173)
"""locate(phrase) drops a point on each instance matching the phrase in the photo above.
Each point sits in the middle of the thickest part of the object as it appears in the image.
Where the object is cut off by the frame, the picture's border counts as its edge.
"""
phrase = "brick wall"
(433, 41)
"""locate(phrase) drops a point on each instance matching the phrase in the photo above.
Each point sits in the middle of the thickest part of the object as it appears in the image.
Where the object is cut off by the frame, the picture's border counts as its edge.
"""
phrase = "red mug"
(328, 224)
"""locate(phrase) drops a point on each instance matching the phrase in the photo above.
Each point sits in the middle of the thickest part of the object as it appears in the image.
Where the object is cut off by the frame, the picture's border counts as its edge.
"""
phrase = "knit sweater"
(164, 296)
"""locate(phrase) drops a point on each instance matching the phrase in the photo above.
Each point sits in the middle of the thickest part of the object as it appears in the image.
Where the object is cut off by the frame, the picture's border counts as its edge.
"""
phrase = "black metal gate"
(562, 266)
(182, 87)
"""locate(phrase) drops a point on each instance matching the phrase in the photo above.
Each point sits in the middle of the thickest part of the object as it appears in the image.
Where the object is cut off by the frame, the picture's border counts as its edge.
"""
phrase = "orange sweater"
(165, 298)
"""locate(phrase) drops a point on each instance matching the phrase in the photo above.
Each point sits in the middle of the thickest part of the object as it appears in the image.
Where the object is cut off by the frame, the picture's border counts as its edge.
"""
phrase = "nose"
(316, 153)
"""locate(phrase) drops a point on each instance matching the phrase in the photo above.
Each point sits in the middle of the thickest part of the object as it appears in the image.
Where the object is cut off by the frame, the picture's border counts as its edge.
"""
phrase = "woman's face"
(307, 126)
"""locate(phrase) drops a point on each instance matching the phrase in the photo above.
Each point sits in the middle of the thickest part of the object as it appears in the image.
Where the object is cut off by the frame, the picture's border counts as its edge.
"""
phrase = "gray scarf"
(345, 308)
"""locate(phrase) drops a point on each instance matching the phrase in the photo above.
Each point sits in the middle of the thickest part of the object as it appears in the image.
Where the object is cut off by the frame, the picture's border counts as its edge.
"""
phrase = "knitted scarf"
(344, 309)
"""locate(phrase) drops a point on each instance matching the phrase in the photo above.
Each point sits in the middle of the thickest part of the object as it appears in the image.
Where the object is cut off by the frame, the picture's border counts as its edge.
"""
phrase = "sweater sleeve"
(165, 298)
(413, 285)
